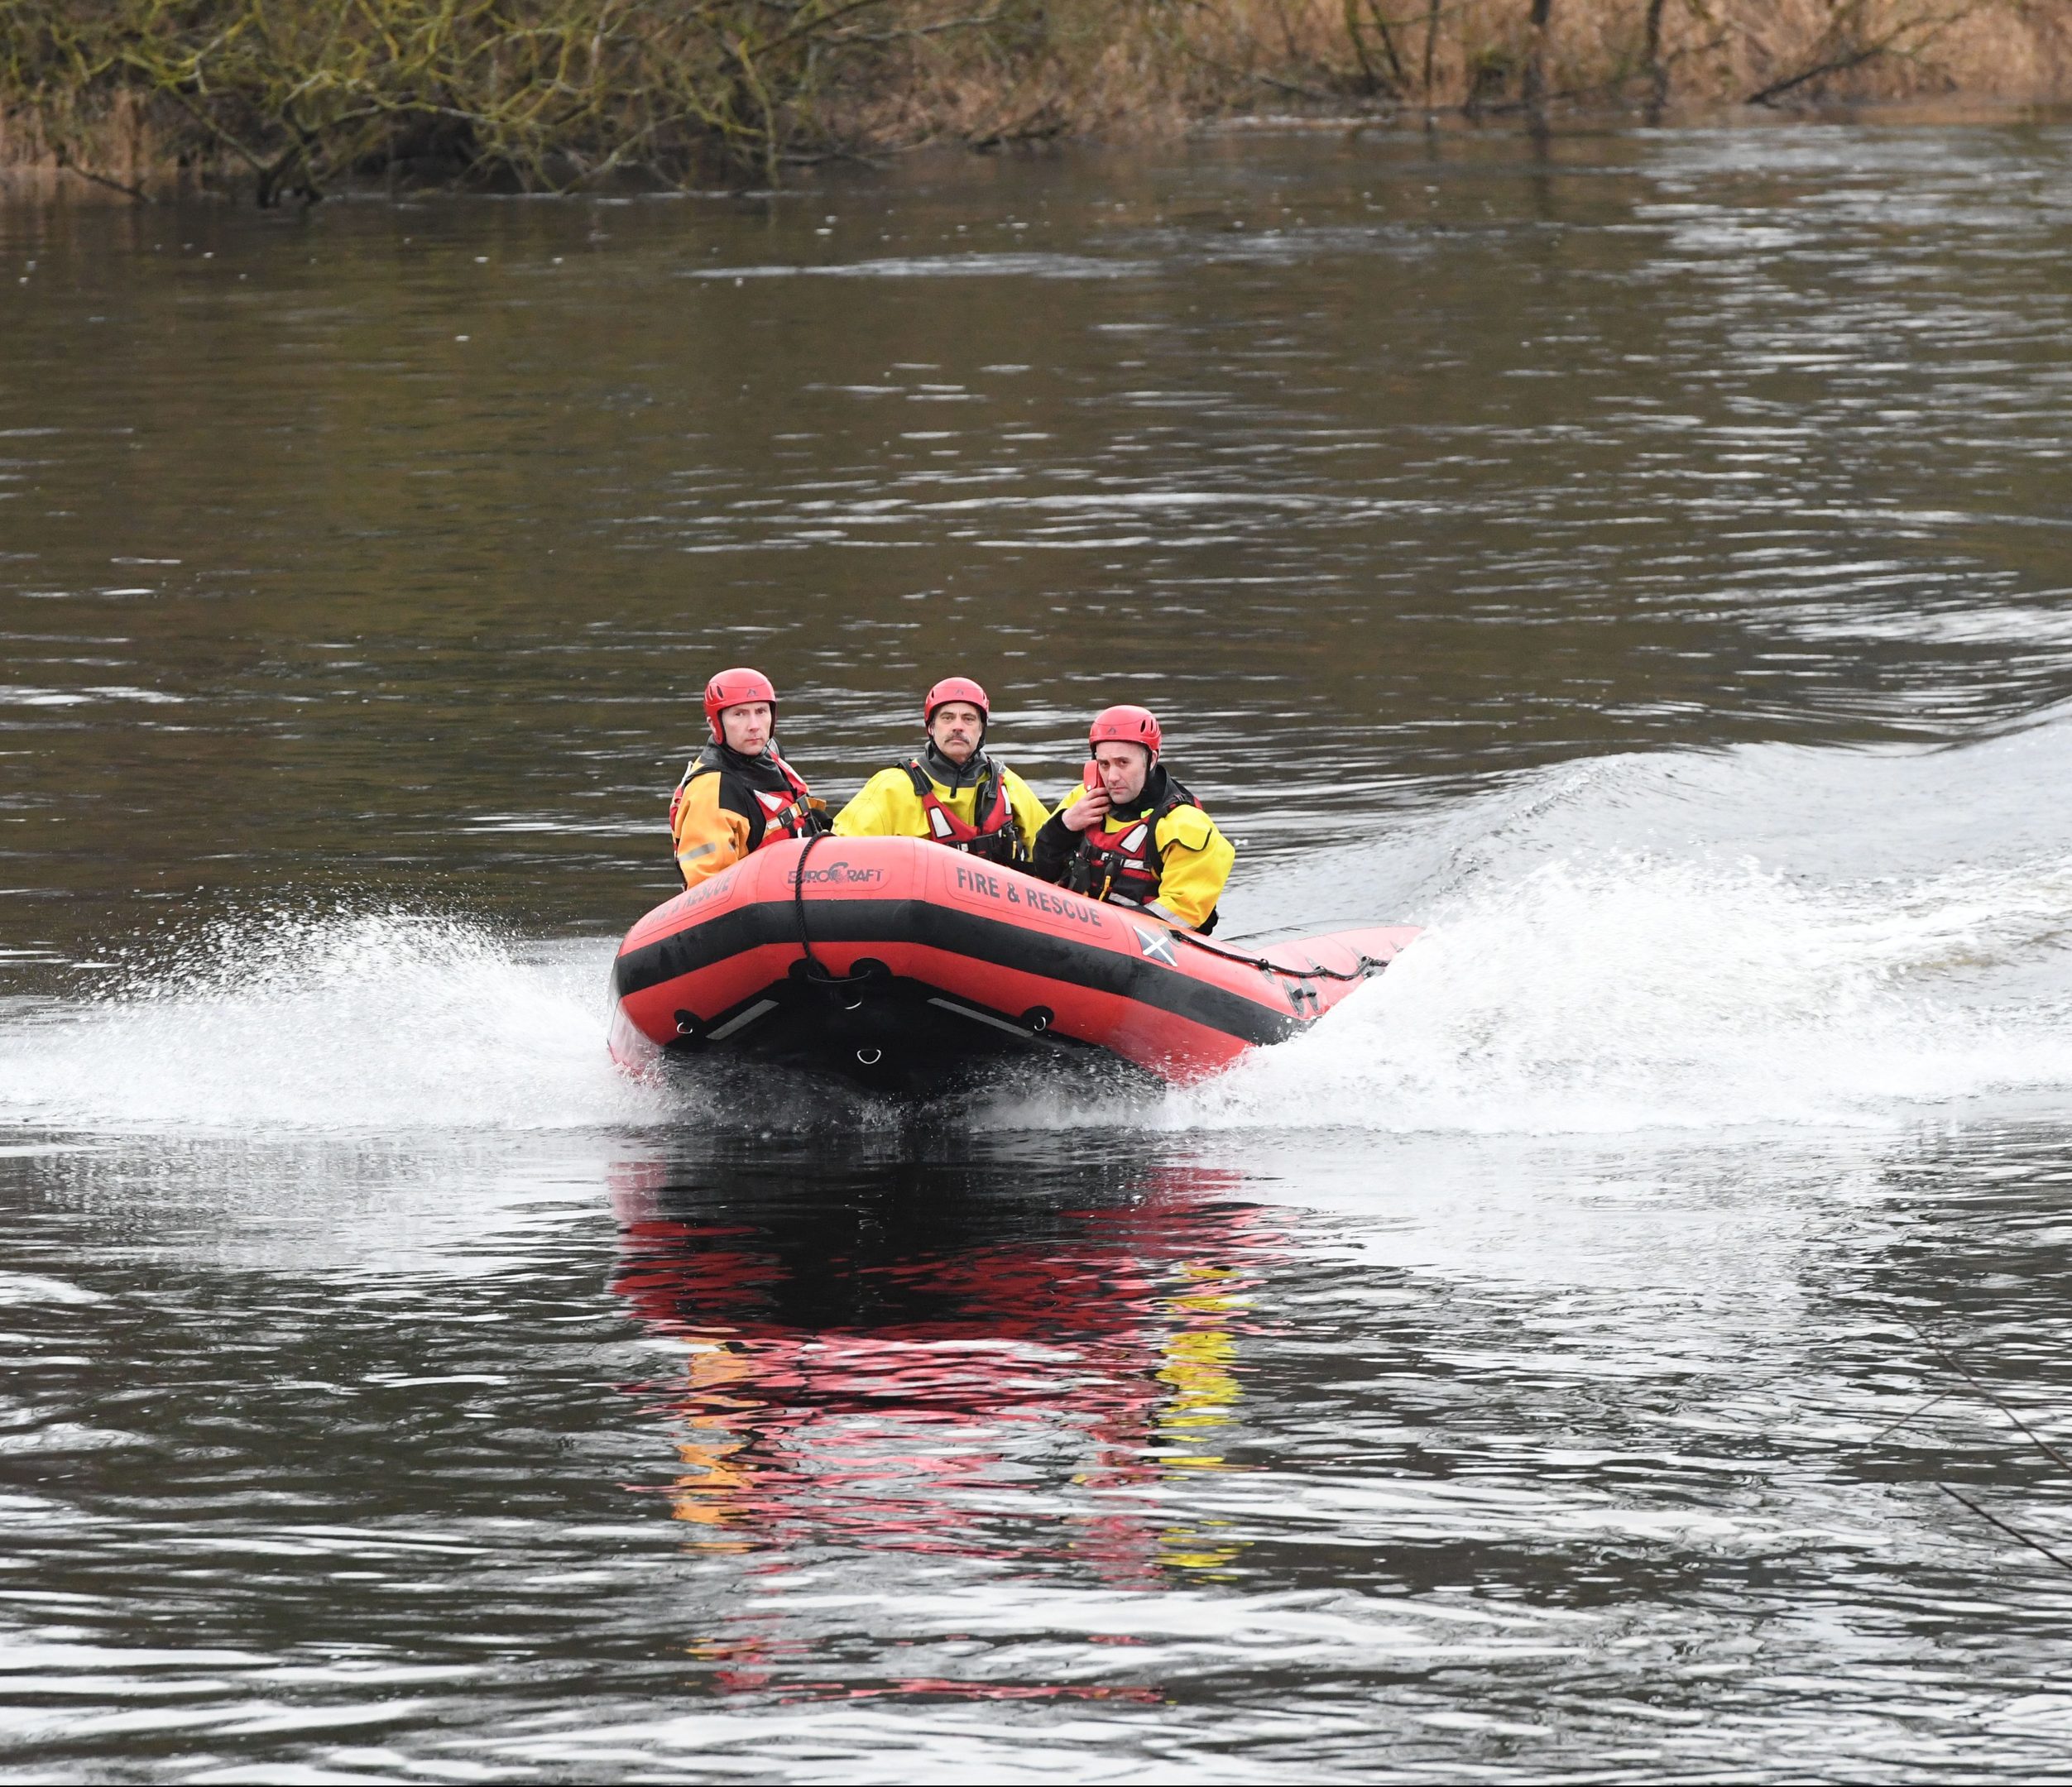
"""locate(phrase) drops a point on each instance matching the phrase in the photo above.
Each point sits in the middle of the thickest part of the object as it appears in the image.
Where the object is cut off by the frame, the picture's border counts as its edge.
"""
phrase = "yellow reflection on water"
(1199, 1371)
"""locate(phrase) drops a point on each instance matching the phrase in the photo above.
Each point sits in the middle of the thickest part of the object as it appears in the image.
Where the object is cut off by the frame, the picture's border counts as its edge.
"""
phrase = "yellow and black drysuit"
(1162, 848)
(981, 807)
(728, 806)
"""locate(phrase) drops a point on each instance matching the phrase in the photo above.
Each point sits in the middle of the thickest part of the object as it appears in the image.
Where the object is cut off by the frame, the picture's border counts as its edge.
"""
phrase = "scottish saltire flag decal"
(1158, 944)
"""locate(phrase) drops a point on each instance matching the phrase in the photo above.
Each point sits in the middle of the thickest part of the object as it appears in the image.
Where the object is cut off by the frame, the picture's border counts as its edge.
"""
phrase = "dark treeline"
(287, 98)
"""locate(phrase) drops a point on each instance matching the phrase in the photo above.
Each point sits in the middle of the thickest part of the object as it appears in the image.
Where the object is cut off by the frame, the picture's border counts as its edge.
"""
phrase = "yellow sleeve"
(708, 837)
(1197, 859)
(885, 806)
(1029, 812)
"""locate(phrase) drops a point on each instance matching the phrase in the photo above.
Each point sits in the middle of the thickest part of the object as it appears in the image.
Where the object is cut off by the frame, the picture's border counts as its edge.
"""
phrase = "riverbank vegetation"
(292, 99)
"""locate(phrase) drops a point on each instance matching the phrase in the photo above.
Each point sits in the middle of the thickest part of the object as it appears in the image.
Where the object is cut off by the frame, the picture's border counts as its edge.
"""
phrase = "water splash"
(1610, 988)
(327, 1020)
(1631, 992)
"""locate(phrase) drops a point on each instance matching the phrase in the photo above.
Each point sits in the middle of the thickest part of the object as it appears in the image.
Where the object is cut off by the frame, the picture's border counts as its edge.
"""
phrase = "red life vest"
(786, 810)
(994, 836)
(1126, 864)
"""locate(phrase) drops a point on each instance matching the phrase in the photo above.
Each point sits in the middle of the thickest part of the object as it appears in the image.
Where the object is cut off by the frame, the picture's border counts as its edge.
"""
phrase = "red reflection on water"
(943, 1689)
(1017, 1398)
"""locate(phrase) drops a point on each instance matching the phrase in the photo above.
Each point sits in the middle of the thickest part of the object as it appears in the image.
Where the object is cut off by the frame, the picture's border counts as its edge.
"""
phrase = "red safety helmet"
(1125, 725)
(956, 688)
(731, 688)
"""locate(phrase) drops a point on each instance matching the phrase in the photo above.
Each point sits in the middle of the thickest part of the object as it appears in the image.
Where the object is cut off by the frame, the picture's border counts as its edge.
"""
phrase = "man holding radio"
(1132, 833)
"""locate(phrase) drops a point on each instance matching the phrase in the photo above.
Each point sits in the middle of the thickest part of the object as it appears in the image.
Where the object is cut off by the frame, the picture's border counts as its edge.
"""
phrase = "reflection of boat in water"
(921, 1367)
(896, 961)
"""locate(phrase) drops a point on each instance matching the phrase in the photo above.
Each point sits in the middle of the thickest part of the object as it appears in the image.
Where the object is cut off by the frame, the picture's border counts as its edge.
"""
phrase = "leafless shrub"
(290, 97)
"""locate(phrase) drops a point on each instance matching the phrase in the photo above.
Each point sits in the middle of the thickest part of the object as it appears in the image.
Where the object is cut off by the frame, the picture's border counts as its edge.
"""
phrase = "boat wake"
(1633, 992)
(335, 1020)
(1768, 935)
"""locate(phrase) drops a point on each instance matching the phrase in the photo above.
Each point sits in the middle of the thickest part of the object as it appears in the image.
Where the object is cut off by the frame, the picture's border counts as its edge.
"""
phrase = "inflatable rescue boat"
(898, 963)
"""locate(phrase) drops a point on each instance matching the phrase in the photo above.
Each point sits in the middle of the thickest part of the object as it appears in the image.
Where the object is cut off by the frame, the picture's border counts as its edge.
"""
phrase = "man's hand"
(1090, 809)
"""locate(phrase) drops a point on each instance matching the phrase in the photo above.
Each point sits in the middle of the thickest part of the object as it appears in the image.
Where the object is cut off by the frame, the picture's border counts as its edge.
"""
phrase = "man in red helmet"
(737, 794)
(953, 791)
(1132, 833)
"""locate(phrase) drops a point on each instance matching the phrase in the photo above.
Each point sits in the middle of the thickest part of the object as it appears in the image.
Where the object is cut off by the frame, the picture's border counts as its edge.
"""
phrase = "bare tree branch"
(2012, 1532)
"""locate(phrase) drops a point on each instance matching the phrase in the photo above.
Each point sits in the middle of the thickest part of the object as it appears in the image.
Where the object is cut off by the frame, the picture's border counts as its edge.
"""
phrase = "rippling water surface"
(1610, 1345)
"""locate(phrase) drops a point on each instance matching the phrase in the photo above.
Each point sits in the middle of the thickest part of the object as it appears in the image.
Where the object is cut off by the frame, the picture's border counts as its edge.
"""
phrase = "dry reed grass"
(290, 98)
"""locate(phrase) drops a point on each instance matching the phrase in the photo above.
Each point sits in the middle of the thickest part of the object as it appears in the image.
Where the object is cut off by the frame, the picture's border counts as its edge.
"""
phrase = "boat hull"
(901, 965)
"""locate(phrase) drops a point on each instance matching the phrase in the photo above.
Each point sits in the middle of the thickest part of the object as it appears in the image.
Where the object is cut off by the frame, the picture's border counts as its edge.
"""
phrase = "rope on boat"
(817, 971)
(1368, 964)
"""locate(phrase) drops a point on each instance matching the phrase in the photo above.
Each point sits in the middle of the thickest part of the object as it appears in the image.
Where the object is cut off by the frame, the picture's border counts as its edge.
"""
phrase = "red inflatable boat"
(897, 962)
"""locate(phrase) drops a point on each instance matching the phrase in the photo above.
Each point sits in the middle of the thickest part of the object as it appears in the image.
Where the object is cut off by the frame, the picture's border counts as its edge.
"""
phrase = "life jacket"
(994, 837)
(1126, 864)
(787, 810)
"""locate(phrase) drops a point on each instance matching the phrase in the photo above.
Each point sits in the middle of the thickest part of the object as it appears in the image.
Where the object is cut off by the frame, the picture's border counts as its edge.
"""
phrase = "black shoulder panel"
(1177, 795)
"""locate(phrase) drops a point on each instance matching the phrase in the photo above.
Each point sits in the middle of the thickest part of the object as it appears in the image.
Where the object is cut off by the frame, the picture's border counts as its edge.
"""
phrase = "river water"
(1642, 558)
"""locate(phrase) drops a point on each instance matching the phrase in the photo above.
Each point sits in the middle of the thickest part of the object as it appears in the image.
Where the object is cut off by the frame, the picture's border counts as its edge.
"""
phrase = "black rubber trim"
(702, 943)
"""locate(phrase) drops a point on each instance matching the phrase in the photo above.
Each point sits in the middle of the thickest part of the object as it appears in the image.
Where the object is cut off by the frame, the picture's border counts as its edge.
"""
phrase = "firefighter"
(1132, 833)
(737, 794)
(951, 791)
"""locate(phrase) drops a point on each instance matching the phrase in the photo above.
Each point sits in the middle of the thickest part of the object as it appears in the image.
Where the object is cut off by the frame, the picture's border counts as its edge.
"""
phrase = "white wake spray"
(331, 1020)
(1604, 952)
(1634, 993)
